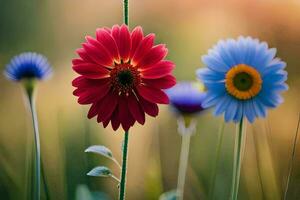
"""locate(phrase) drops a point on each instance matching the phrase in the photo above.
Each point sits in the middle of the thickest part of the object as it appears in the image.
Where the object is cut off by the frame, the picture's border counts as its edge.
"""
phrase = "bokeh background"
(189, 28)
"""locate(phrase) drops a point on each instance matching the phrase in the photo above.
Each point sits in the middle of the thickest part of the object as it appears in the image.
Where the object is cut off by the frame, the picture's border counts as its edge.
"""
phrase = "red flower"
(122, 75)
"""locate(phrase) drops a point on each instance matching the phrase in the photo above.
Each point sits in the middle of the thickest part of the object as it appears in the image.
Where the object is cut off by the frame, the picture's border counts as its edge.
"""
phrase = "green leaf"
(100, 171)
(99, 149)
(104, 151)
(170, 195)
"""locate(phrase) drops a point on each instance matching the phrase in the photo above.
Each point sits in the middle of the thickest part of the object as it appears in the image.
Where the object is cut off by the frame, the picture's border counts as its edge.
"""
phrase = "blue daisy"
(28, 65)
(186, 98)
(243, 78)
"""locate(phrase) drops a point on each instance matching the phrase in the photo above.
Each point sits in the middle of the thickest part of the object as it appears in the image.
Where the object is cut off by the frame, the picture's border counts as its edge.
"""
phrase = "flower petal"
(149, 107)
(108, 42)
(158, 70)
(91, 70)
(136, 38)
(144, 47)
(93, 110)
(84, 55)
(97, 52)
(156, 54)
(161, 83)
(91, 95)
(115, 121)
(84, 82)
(107, 106)
(124, 115)
(153, 95)
(135, 109)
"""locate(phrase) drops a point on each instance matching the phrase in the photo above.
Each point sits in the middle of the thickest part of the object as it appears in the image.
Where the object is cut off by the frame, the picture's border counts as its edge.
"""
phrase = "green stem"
(292, 159)
(238, 155)
(124, 167)
(36, 145)
(125, 12)
(126, 135)
(218, 154)
(184, 155)
(46, 189)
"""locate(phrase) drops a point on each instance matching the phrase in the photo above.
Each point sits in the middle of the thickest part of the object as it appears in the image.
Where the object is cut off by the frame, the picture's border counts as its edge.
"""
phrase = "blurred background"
(189, 28)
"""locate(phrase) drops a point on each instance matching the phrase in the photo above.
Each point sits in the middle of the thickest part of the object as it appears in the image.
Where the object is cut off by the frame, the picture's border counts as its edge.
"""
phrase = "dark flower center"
(243, 81)
(124, 78)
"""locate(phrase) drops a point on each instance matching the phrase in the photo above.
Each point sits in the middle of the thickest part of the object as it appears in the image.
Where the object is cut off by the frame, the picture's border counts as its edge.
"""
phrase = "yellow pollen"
(243, 82)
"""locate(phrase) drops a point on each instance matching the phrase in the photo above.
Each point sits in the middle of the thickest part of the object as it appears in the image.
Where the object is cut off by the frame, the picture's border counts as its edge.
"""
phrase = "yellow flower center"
(243, 82)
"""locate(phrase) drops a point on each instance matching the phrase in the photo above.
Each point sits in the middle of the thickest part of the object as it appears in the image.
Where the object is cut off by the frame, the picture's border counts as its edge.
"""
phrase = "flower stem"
(126, 135)
(218, 154)
(37, 147)
(238, 156)
(184, 155)
(125, 12)
(124, 167)
(292, 159)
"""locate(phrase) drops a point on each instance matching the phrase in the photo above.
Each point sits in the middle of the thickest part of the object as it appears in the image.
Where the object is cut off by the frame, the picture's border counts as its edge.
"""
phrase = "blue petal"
(238, 115)
(270, 100)
(249, 113)
(224, 53)
(222, 104)
(28, 65)
(211, 99)
(259, 108)
(214, 64)
(206, 74)
(231, 110)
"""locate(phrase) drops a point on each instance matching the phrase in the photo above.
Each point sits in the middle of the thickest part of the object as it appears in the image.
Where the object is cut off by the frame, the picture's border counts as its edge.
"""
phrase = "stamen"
(124, 78)
(243, 82)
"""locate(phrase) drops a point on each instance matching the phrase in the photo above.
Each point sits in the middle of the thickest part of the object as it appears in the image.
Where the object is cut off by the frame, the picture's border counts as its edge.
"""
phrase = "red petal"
(83, 82)
(108, 105)
(98, 53)
(156, 54)
(115, 122)
(135, 109)
(91, 70)
(93, 110)
(124, 115)
(136, 38)
(78, 91)
(149, 107)
(143, 48)
(153, 95)
(108, 42)
(124, 43)
(84, 55)
(91, 95)
(105, 123)
(158, 70)
(161, 83)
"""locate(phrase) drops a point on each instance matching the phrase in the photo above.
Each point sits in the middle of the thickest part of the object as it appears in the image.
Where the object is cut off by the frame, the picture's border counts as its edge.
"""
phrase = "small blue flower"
(186, 98)
(28, 65)
(243, 78)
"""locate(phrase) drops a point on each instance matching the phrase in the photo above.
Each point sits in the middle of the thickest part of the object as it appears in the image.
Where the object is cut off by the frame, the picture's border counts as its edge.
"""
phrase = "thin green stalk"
(125, 12)
(215, 167)
(184, 155)
(124, 167)
(126, 135)
(46, 189)
(37, 194)
(292, 159)
(238, 155)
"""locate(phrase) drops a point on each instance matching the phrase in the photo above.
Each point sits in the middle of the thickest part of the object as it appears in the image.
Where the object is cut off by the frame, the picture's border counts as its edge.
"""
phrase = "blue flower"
(243, 78)
(28, 65)
(186, 98)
